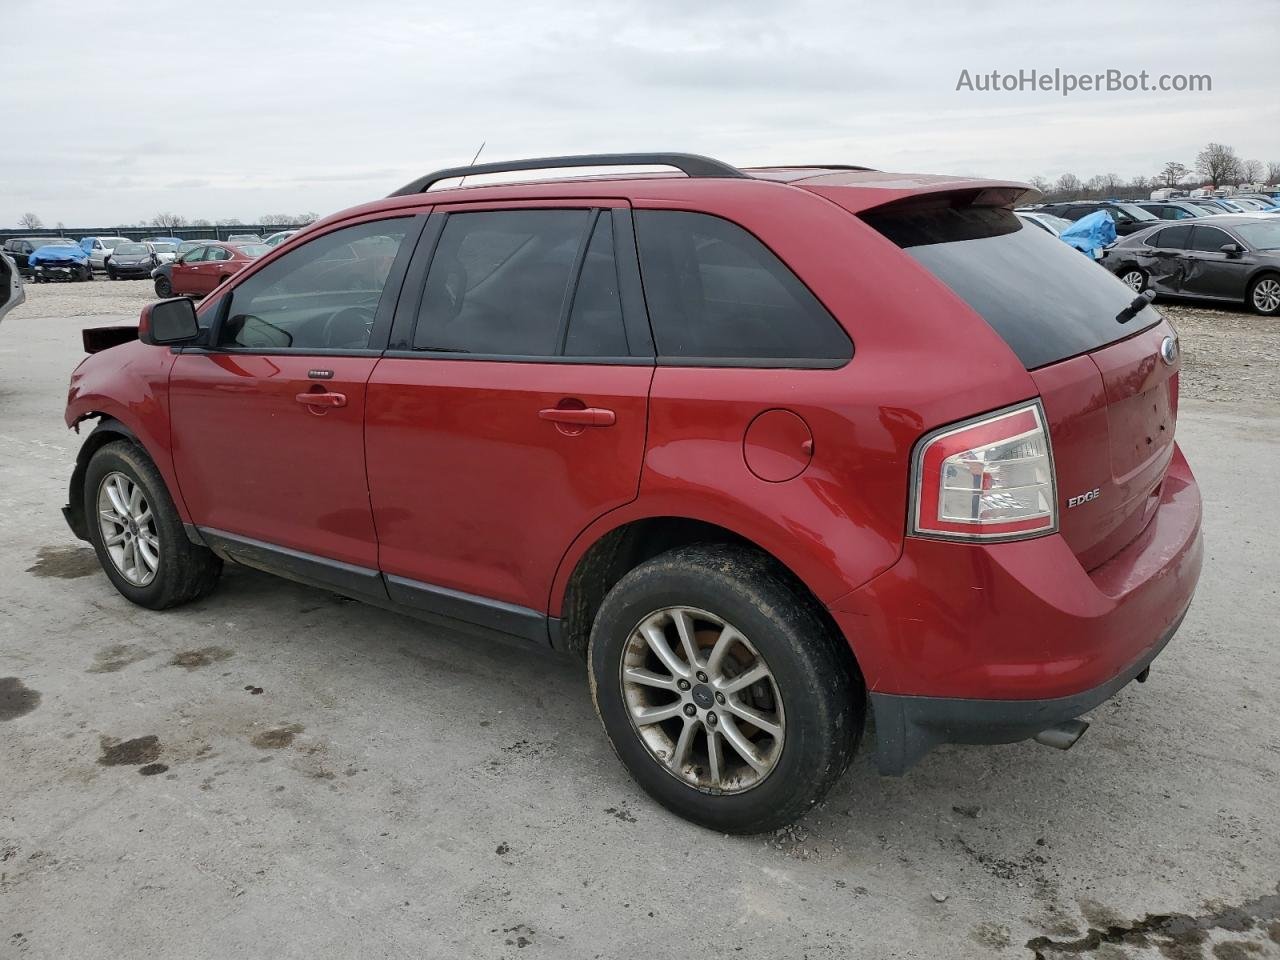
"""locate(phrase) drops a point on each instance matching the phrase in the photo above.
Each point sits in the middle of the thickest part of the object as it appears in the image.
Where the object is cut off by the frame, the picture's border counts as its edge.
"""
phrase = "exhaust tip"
(1062, 736)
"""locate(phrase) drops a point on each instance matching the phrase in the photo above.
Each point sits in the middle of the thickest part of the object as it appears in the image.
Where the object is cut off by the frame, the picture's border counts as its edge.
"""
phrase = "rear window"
(1046, 300)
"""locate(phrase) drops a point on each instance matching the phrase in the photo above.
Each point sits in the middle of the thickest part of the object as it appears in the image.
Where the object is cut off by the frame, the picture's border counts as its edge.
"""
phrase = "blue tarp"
(1092, 234)
(57, 252)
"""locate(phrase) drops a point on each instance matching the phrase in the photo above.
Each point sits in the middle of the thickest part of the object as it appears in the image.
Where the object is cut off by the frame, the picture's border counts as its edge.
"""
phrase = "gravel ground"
(275, 771)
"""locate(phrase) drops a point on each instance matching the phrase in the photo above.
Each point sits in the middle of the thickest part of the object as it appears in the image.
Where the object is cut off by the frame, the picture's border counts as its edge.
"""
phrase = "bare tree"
(309, 217)
(168, 221)
(1042, 185)
(1273, 172)
(231, 222)
(1173, 173)
(1253, 170)
(30, 221)
(201, 223)
(1218, 164)
(276, 219)
(1067, 185)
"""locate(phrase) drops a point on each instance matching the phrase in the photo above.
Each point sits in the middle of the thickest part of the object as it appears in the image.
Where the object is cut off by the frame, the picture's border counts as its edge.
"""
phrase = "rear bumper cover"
(993, 643)
(908, 727)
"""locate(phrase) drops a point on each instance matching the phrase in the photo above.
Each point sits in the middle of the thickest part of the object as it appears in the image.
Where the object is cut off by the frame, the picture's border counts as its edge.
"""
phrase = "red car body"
(217, 261)
(439, 484)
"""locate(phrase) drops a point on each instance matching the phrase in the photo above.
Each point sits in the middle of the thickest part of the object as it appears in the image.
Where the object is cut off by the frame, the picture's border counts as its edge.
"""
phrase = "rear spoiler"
(97, 339)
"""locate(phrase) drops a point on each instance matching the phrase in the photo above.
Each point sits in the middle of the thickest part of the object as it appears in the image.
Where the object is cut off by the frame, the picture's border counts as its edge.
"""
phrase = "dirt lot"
(277, 772)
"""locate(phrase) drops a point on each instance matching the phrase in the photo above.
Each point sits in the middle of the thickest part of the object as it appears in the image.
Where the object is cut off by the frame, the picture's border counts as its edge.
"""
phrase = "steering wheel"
(350, 327)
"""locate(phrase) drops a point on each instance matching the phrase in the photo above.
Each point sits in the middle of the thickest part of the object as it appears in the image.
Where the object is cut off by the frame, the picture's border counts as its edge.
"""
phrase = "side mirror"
(167, 322)
(1232, 249)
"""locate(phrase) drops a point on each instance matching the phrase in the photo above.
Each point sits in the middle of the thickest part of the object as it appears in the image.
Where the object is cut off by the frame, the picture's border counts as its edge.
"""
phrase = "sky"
(115, 112)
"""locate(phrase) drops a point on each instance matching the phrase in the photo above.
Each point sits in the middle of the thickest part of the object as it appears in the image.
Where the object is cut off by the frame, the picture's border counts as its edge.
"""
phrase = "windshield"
(1044, 299)
(164, 247)
(131, 249)
(110, 242)
(1263, 235)
(53, 242)
(1058, 223)
(252, 249)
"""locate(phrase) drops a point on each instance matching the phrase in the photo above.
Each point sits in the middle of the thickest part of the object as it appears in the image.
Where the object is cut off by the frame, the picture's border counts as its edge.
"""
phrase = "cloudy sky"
(116, 111)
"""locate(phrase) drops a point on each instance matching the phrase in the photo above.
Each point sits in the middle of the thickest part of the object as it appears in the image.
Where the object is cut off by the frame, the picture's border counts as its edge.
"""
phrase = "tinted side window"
(595, 323)
(716, 292)
(322, 295)
(1171, 238)
(1208, 238)
(499, 282)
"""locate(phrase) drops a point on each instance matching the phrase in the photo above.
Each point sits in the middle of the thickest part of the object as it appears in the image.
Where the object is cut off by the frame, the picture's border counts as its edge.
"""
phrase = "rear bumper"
(983, 642)
(909, 727)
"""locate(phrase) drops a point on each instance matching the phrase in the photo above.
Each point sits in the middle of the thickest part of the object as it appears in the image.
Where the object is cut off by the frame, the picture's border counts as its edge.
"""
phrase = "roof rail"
(813, 166)
(690, 164)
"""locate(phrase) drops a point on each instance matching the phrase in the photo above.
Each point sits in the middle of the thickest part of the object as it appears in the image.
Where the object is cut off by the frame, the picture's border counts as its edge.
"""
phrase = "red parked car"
(198, 271)
(776, 450)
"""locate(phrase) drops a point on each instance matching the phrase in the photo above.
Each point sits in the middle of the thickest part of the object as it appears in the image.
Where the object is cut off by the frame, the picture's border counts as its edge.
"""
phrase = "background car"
(99, 249)
(1173, 209)
(200, 270)
(1045, 221)
(59, 261)
(11, 288)
(1129, 217)
(244, 238)
(278, 238)
(1215, 205)
(165, 252)
(132, 259)
(1234, 258)
(173, 240)
(18, 249)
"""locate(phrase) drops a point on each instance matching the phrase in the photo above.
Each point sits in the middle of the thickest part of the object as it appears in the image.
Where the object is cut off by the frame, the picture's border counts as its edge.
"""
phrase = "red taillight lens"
(989, 479)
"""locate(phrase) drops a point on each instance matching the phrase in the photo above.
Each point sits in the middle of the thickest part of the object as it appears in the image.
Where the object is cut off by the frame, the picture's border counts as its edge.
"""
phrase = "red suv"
(776, 450)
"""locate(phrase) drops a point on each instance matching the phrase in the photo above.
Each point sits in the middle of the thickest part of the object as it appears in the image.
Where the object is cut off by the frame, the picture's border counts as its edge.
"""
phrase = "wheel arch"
(107, 430)
(594, 567)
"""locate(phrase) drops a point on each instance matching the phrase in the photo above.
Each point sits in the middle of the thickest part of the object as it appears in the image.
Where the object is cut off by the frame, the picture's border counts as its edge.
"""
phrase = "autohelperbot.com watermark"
(1066, 82)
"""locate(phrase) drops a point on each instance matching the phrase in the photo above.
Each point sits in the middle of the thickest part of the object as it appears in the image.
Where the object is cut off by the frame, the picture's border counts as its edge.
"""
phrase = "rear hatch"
(1109, 397)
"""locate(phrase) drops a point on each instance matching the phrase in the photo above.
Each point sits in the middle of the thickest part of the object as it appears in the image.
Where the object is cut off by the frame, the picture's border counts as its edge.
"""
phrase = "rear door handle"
(322, 399)
(583, 417)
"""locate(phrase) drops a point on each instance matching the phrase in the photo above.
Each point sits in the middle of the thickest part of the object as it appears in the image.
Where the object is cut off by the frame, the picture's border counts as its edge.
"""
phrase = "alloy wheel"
(128, 528)
(1266, 295)
(702, 700)
(1133, 279)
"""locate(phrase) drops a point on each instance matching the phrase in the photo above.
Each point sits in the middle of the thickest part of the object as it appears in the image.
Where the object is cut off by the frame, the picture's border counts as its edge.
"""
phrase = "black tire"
(1271, 306)
(1130, 270)
(111, 274)
(813, 670)
(186, 571)
(164, 289)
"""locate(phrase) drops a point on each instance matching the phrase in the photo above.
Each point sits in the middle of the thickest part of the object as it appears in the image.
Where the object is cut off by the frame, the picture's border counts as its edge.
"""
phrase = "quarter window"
(323, 295)
(716, 292)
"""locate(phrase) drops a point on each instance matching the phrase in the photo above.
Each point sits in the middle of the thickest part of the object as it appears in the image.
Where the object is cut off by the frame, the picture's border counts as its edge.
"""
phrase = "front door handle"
(582, 416)
(325, 399)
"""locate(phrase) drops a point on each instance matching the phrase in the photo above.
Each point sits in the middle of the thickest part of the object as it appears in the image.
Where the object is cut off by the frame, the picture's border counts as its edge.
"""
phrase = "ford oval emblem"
(1169, 350)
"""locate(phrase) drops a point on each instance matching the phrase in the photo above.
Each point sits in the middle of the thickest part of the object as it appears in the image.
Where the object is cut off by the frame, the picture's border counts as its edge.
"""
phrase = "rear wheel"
(137, 533)
(721, 689)
(1133, 277)
(1264, 295)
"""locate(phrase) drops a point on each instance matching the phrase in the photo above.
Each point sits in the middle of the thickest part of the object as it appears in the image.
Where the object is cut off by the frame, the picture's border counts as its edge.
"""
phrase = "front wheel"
(137, 533)
(164, 288)
(722, 690)
(1264, 295)
(111, 274)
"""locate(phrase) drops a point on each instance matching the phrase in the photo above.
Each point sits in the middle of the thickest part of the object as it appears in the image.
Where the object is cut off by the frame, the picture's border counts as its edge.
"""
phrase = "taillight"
(988, 479)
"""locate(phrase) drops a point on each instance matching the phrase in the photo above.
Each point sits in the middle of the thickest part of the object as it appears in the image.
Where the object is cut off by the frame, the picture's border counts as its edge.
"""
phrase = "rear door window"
(715, 293)
(1171, 238)
(1044, 299)
(523, 283)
